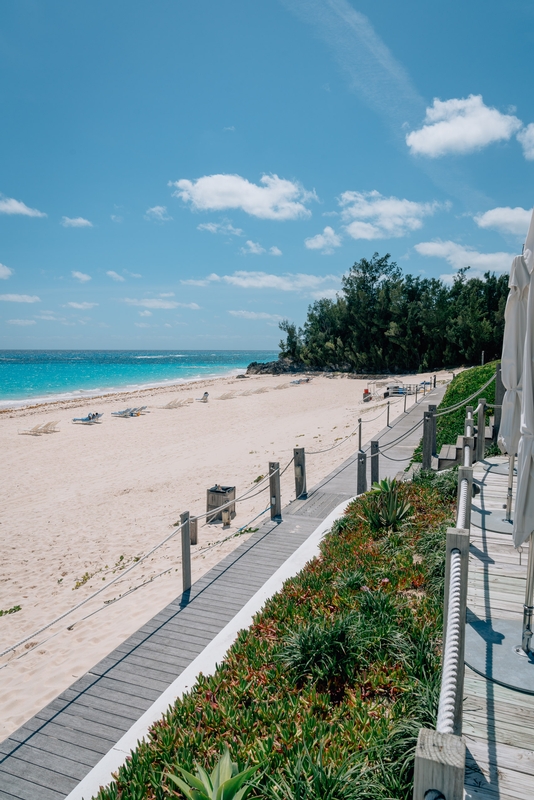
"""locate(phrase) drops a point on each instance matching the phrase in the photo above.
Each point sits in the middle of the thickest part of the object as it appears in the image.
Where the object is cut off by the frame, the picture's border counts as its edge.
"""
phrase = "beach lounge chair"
(226, 396)
(35, 431)
(126, 413)
(282, 386)
(50, 427)
(90, 419)
(173, 404)
(204, 398)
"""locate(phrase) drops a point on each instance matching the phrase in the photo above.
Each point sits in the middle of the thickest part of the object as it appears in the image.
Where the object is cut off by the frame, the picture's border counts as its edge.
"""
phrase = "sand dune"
(79, 506)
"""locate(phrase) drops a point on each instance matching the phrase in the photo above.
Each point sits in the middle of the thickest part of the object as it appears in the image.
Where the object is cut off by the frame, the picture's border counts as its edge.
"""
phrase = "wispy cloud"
(289, 282)
(76, 222)
(373, 72)
(145, 313)
(506, 219)
(275, 251)
(213, 278)
(157, 214)
(20, 298)
(80, 276)
(225, 228)
(253, 248)
(132, 274)
(152, 302)
(21, 322)
(276, 198)
(5, 272)
(459, 126)
(526, 139)
(10, 206)
(255, 315)
(115, 276)
(459, 256)
(81, 306)
(325, 241)
(370, 215)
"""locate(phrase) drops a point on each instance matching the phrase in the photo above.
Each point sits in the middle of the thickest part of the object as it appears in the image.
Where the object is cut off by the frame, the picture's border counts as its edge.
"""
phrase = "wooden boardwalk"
(48, 756)
(498, 722)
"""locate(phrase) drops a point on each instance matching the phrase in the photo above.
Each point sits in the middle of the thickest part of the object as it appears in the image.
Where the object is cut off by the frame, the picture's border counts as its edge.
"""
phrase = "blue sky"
(184, 175)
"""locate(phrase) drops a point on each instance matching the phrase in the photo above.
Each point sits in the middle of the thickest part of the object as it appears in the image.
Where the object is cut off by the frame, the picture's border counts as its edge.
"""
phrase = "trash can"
(219, 496)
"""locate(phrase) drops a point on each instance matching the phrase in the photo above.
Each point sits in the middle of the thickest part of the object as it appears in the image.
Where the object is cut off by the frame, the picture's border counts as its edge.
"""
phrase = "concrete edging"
(205, 663)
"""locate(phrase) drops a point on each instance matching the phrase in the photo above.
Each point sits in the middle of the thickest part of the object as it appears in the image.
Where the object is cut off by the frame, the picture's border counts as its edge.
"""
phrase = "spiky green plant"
(384, 506)
(322, 650)
(224, 783)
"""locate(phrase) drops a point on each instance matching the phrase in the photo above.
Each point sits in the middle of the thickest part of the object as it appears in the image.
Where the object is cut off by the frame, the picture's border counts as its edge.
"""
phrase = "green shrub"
(384, 506)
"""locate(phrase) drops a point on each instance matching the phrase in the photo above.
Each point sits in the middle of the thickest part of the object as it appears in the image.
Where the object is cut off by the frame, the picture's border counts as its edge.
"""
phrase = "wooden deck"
(48, 756)
(498, 722)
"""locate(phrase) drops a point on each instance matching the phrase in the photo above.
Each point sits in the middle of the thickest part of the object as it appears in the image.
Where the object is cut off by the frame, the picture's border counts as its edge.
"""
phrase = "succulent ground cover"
(329, 686)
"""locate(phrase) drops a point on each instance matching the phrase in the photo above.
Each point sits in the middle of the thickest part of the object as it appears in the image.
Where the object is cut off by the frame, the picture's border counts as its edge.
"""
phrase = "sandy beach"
(81, 505)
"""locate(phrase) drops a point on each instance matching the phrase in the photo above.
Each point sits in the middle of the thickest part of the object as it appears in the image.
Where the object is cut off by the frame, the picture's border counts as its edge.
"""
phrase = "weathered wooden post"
(433, 408)
(361, 479)
(434, 381)
(186, 551)
(299, 460)
(193, 530)
(481, 429)
(416, 390)
(359, 433)
(439, 766)
(428, 418)
(387, 416)
(405, 396)
(499, 396)
(274, 486)
(375, 446)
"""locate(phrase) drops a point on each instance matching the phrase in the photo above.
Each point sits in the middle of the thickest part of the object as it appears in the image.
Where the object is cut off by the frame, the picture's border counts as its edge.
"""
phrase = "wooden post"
(416, 390)
(499, 396)
(387, 416)
(225, 513)
(374, 462)
(361, 480)
(186, 552)
(433, 409)
(274, 486)
(439, 766)
(359, 433)
(405, 396)
(457, 539)
(434, 381)
(427, 440)
(193, 530)
(299, 460)
(481, 430)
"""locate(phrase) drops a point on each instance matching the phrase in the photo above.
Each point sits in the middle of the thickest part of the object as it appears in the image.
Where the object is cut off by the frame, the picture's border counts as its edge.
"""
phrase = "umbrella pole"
(528, 608)
(511, 461)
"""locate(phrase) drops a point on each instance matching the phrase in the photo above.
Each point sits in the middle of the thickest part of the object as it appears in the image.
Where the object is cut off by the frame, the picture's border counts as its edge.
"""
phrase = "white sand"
(90, 499)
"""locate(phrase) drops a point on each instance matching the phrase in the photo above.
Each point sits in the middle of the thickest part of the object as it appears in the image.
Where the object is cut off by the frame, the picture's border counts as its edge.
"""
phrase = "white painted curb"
(206, 662)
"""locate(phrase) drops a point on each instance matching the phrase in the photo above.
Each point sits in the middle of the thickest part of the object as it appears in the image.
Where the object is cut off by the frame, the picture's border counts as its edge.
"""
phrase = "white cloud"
(20, 298)
(115, 275)
(75, 222)
(132, 274)
(10, 206)
(5, 272)
(370, 215)
(276, 198)
(327, 294)
(289, 282)
(81, 306)
(21, 322)
(166, 294)
(220, 227)
(253, 248)
(157, 214)
(116, 218)
(145, 313)
(459, 256)
(203, 281)
(506, 219)
(255, 315)
(81, 276)
(156, 303)
(141, 325)
(526, 139)
(275, 251)
(460, 125)
(229, 128)
(325, 241)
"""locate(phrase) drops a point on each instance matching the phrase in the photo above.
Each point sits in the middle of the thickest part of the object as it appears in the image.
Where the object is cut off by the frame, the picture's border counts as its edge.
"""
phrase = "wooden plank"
(18, 787)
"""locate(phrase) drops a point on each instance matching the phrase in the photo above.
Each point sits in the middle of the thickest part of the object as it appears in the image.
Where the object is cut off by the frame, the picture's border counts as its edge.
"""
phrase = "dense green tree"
(383, 320)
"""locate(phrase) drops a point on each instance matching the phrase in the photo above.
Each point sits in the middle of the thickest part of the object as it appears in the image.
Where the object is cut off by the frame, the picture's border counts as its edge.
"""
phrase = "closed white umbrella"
(512, 355)
(524, 506)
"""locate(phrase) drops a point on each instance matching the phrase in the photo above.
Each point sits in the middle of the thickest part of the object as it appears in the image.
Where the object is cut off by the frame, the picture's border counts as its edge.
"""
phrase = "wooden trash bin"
(219, 496)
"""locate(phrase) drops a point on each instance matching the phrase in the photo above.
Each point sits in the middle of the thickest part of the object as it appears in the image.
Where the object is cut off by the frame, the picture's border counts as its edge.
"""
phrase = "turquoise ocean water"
(30, 376)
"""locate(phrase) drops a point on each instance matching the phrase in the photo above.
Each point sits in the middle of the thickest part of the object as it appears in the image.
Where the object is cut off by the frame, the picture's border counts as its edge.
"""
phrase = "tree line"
(384, 321)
